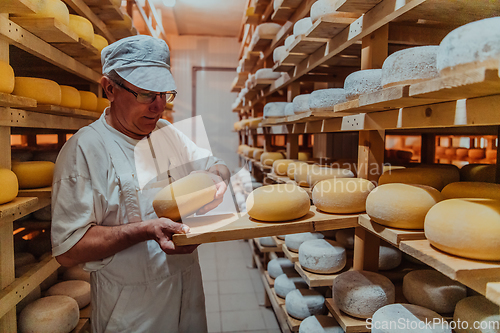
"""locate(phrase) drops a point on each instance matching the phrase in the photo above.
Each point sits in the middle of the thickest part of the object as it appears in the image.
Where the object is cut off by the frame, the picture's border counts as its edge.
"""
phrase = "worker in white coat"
(140, 280)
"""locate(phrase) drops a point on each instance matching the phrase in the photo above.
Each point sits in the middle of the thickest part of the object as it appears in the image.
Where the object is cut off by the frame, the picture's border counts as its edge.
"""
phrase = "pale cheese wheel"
(23, 258)
(476, 44)
(471, 190)
(185, 196)
(362, 82)
(437, 177)
(10, 185)
(281, 202)
(302, 303)
(287, 282)
(274, 109)
(267, 73)
(76, 289)
(301, 103)
(289, 110)
(320, 324)
(249, 151)
(99, 42)
(304, 156)
(70, 97)
(240, 148)
(51, 8)
(315, 175)
(102, 104)
(342, 195)
(278, 266)
(328, 9)
(302, 26)
(322, 256)
(268, 158)
(76, 273)
(388, 257)
(267, 29)
(51, 314)
(88, 100)
(452, 226)
(293, 241)
(34, 174)
(345, 237)
(43, 90)
(7, 79)
(326, 99)
(361, 293)
(401, 205)
(31, 297)
(479, 311)
(292, 166)
(289, 41)
(477, 153)
(478, 173)
(280, 167)
(82, 27)
(433, 290)
(257, 153)
(409, 66)
(301, 171)
(267, 241)
(407, 318)
(279, 53)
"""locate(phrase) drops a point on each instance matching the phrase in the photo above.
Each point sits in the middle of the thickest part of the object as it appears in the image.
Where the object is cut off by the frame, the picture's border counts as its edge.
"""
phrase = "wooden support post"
(428, 151)
(292, 146)
(371, 154)
(374, 48)
(497, 177)
(366, 250)
(323, 145)
(292, 90)
(267, 139)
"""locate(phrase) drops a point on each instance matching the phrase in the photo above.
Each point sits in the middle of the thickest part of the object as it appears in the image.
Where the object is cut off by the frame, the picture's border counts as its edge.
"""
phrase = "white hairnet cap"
(141, 60)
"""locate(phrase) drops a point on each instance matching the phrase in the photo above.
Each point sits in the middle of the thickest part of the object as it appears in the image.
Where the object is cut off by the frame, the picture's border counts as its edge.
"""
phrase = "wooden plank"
(322, 280)
(83, 326)
(282, 67)
(265, 249)
(327, 27)
(279, 300)
(391, 235)
(108, 13)
(348, 323)
(63, 111)
(17, 7)
(9, 100)
(341, 221)
(17, 208)
(293, 323)
(294, 58)
(269, 279)
(23, 118)
(261, 83)
(279, 243)
(493, 292)
(355, 6)
(86, 312)
(290, 255)
(98, 3)
(307, 45)
(262, 43)
(82, 48)
(473, 273)
(282, 14)
(47, 28)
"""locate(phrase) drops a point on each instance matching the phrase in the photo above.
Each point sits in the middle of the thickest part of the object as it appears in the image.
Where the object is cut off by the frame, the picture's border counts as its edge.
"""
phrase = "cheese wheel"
(249, 151)
(437, 177)
(257, 153)
(76, 273)
(287, 282)
(278, 266)
(302, 303)
(51, 8)
(281, 202)
(99, 42)
(316, 175)
(388, 257)
(478, 173)
(76, 289)
(294, 241)
(303, 156)
(44, 91)
(268, 158)
(361, 293)
(452, 227)
(292, 166)
(267, 29)
(82, 27)
(52, 314)
(427, 288)
(476, 44)
(301, 103)
(410, 65)
(407, 318)
(289, 41)
(451, 151)
(267, 241)
(401, 205)
(320, 324)
(267, 73)
(477, 153)
(345, 237)
(328, 9)
(302, 26)
(185, 196)
(280, 167)
(326, 99)
(362, 82)
(23, 258)
(240, 148)
(341, 195)
(88, 100)
(10, 185)
(70, 97)
(301, 171)
(289, 110)
(34, 174)
(279, 53)
(274, 109)
(322, 256)
(479, 311)
(102, 104)
(471, 190)
(7, 79)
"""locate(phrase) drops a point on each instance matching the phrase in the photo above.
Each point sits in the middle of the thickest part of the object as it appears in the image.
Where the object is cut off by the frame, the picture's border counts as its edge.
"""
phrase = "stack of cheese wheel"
(479, 311)
(361, 293)
(43, 90)
(322, 256)
(328, 9)
(102, 104)
(268, 158)
(437, 176)
(82, 27)
(401, 205)
(33, 174)
(452, 226)
(184, 196)
(280, 167)
(10, 186)
(316, 175)
(281, 202)
(362, 82)
(302, 26)
(478, 173)
(274, 109)
(70, 97)
(292, 166)
(342, 195)
(302, 303)
(326, 99)
(294, 241)
(55, 314)
(301, 103)
(427, 288)
(77, 289)
(8, 80)
(471, 190)
(51, 8)
(286, 282)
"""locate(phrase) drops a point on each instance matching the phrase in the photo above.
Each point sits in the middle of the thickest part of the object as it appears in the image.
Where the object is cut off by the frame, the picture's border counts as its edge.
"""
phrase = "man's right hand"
(162, 230)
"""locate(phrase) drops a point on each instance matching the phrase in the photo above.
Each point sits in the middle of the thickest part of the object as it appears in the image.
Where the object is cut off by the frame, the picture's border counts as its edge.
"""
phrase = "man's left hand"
(221, 187)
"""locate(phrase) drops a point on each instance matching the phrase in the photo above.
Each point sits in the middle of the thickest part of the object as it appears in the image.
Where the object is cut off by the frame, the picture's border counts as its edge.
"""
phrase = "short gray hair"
(113, 76)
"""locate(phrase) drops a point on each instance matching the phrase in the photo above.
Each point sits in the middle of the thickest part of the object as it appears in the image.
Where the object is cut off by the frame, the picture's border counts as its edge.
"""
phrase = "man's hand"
(162, 230)
(221, 187)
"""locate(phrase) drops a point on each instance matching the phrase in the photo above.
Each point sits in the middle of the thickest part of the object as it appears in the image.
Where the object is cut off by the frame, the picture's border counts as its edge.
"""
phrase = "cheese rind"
(362, 82)
(278, 266)
(279, 53)
(267, 241)
(7, 78)
(43, 90)
(322, 256)
(301, 103)
(292, 166)
(320, 324)
(34, 174)
(342, 195)
(316, 175)
(471, 190)
(76, 273)
(76, 289)
(302, 26)
(82, 27)
(99, 42)
(388, 257)
(280, 167)
(10, 185)
(302, 303)
(267, 73)
(51, 8)
(478, 173)
(293, 241)
(268, 158)
(476, 310)
(70, 97)
(434, 176)
(88, 100)
(326, 98)
(287, 282)
(274, 109)
(102, 104)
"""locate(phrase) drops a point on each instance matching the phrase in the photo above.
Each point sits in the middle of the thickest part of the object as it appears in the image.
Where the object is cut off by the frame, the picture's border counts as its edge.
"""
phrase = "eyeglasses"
(148, 98)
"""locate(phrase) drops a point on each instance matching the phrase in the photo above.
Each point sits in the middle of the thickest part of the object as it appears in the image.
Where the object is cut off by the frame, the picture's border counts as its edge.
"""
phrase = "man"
(102, 217)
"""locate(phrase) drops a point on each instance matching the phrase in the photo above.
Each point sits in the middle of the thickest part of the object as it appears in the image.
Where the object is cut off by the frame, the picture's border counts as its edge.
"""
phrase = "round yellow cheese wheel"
(471, 190)
(401, 205)
(290, 171)
(304, 156)
(51, 8)
(102, 104)
(237, 126)
(437, 176)
(281, 202)
(268, 158)
(184, 196)
(342, 195)
(43, 90)
(88, 100)
(478, 173)
(82, 27)
(280, 167)
(477, 153)
(467, 228)
(76, 273)
(257, 153)
(241, 148)
(70, 97)
(99, 42)
(301, 172)
(34, 174)
(77, 289)
(10, 186)
(249, 152)
(316, 175)
(7, 79)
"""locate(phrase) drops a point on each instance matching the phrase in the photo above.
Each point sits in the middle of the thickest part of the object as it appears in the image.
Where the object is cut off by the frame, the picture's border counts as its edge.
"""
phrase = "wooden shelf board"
(282, 14)
(266, 249)
(108, 13)
(47, 28)
(17, 208)
(253, 19)
(42, 192)
(391, 235)
(473, 273)
(261, 44)
(291, 3)
(269, 279)
(493, 292)
(262, 83)
(293, 323)
(83, 326)
(24, 118)
(355, 6)
(322, 280)
(348, 323)
(86, 312)
(91, 62)
(280, 179)
(279, 300)
(283, 67)
(307, 45)
(262, 167)
(63, 111)
(8, 100)
(292, 256)
(98, 2)
(294, 58)
(279, 242)
(82, 48)
(17, 7)
(329, 27)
